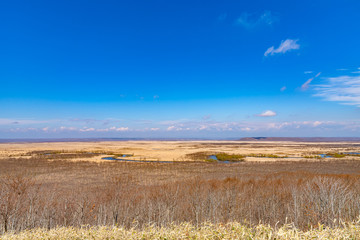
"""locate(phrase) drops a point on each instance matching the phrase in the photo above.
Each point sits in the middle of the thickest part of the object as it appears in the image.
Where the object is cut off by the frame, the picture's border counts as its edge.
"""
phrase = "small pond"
(213, 157)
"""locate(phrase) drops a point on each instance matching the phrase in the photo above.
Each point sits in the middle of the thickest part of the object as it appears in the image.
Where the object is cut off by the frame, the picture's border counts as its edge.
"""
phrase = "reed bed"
(231, 230)
(56, 194)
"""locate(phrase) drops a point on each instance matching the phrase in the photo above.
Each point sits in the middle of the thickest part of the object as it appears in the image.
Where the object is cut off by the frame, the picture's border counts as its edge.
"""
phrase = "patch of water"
(325, 156)
(213, 157)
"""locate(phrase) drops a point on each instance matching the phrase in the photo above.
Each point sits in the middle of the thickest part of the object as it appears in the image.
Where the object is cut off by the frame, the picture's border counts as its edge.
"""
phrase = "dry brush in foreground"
(54, 194)
(189, 231)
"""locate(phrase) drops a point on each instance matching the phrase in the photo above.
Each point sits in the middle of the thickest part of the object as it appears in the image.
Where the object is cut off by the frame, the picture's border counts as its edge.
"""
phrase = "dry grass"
(176, 150)
(189, 231)
(61, 193)
(175, 198)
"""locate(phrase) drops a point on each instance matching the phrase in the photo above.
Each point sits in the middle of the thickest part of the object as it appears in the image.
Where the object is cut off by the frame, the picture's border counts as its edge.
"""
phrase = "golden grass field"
(188, 231)
(65, 190)
(177, 150)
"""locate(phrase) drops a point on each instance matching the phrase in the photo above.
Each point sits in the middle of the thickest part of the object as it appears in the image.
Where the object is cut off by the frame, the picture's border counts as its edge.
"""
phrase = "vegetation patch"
(62, 154)
(214, 157)
(336, 155)
(229, 157)
(313, 156)
(352, 154)
(266, 155)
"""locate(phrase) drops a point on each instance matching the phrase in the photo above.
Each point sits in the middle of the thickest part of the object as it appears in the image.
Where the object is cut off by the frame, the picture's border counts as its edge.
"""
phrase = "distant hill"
(303, 139)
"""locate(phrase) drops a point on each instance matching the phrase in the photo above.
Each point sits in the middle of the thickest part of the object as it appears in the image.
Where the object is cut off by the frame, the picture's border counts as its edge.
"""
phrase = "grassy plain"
(189, 231)
(62, 184)
(177, 150)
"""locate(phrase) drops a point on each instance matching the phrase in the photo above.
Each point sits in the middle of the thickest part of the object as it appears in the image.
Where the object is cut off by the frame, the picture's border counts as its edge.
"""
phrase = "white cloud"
(111, 129)
(63, 128)
(171, 128)
(203, 127)
(256, 127)
(317, 123)
(267, 113)
(305, 86)
(285, 46)
(220, 128)
(283, 88)
(252, 20)
(308, 72)
(343, 89)
(121, 129)
(87, 129)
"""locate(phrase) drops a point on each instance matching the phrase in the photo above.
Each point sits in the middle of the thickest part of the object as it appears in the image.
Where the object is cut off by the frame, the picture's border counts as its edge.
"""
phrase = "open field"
(178, 150)
(49, 185)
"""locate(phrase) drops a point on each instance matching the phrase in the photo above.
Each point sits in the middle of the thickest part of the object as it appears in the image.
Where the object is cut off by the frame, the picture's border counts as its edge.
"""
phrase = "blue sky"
(202, 69)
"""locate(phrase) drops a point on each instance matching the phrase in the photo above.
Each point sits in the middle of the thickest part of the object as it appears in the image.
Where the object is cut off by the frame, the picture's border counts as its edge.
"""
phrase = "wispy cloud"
(283, 88)
(308, 72)
(253, 20)
(215, 126)
(267, 113)
(285, 46)
(119, 129)
(93, 121)
(201, 128)
(343, 89)
(71, 129)
(8, 121)
(305, 86)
